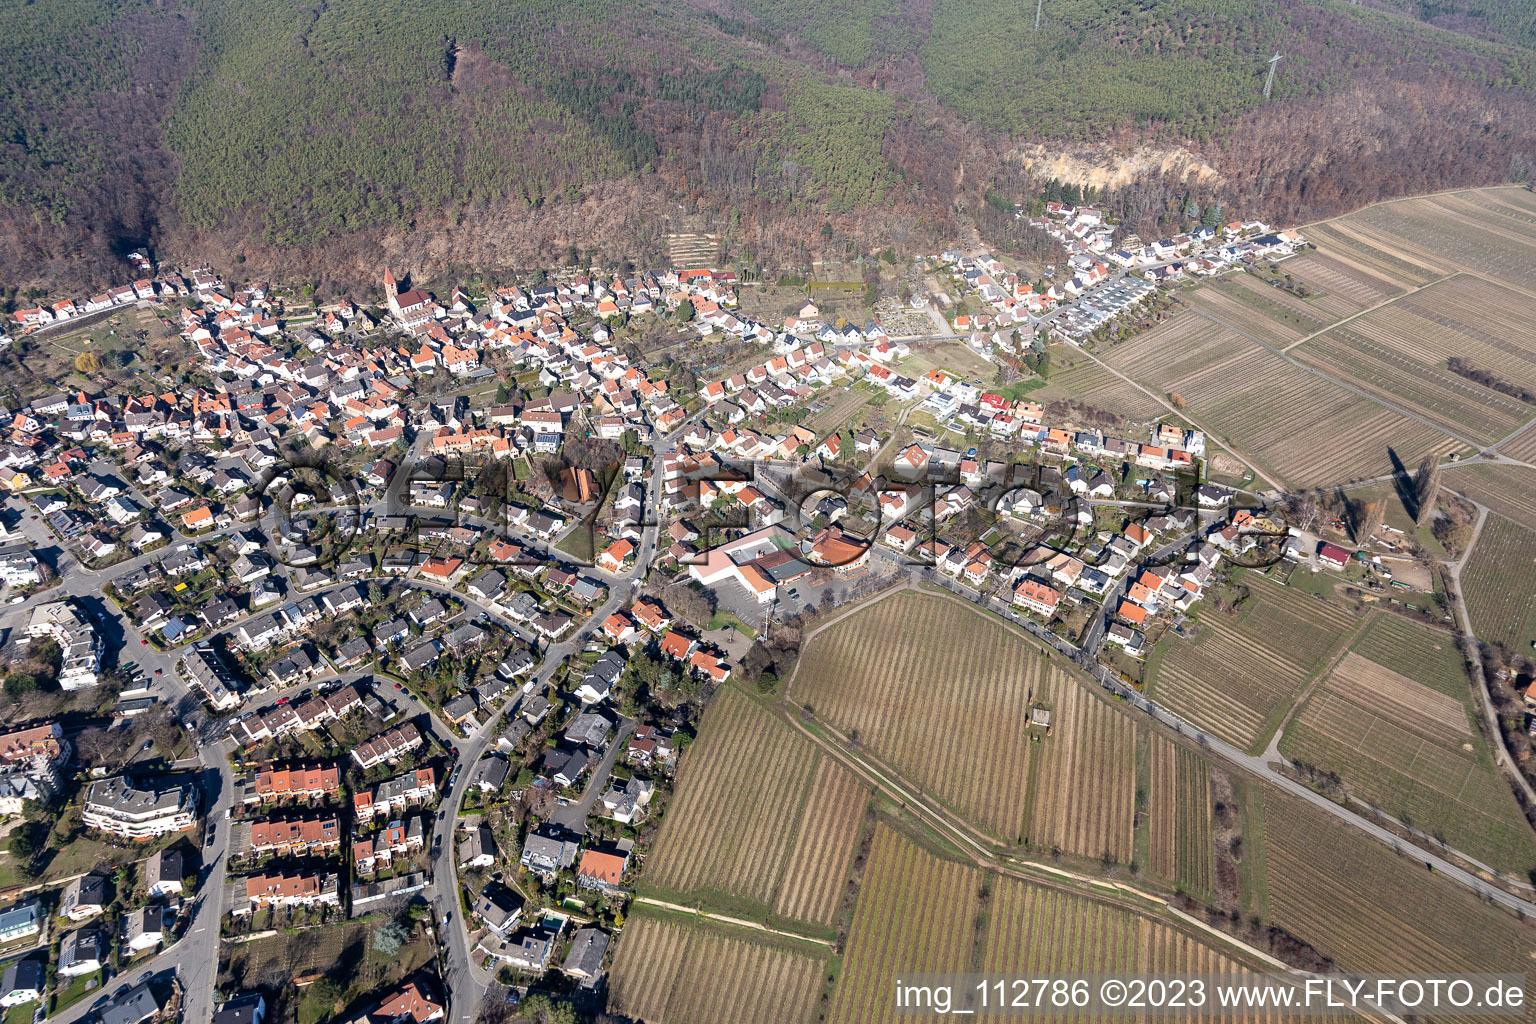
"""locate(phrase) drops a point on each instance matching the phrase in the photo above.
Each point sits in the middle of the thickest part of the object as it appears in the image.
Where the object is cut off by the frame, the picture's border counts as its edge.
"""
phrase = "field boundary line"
(1478, 681)
(1120, 889)
(1351, 388)
(1346, 644)
(1370, 309)
(1470, 769)
(904, 792)
(724, 919)
(1009, 864)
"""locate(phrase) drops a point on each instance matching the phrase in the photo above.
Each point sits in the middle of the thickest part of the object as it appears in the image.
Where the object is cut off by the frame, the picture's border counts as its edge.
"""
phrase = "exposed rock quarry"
(1102, 167)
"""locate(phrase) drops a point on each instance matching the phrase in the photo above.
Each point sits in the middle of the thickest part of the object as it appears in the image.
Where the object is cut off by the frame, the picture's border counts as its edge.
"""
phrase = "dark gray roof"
(586, 956)
(135, 1005)
(26, 975)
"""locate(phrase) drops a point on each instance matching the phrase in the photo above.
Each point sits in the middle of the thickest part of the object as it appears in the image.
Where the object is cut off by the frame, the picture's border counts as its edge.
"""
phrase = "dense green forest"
(835, 134)
(284, 127)
(848, 31)
(1493, 19)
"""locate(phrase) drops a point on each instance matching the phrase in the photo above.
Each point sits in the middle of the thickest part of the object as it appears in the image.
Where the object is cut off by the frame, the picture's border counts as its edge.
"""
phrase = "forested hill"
(306, 137)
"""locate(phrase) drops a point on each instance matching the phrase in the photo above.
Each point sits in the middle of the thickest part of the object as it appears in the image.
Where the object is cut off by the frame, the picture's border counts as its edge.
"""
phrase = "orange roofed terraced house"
(280, 783)
(295, 834)
(1131, 612)
(283, 890)
(1036, 596)
(408, 1003)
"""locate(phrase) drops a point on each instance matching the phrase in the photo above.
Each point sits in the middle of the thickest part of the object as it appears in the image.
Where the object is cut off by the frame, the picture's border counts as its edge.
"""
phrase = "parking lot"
(1103, 304)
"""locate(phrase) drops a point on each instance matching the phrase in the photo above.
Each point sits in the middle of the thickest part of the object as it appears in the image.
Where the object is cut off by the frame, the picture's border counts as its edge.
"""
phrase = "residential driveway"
(574, 816)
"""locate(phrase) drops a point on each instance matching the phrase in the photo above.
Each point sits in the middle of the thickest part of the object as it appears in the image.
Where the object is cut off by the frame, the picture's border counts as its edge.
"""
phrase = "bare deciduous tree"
(1426, 487)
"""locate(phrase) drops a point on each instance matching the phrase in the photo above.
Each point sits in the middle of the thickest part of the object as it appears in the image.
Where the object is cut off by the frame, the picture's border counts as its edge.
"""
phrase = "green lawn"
(1014, 392)
(578, 544)
(21, 1014)
(77, 989)
(78, 853)
(724, 618)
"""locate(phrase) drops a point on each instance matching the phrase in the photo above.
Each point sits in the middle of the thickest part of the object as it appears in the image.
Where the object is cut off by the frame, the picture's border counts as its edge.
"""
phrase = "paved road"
(195, 957)
(1093, 636)
(466, 981)
(574, 816)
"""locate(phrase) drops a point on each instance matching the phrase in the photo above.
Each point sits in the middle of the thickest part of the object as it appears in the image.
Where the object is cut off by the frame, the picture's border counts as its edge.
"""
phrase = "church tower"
(391, 291)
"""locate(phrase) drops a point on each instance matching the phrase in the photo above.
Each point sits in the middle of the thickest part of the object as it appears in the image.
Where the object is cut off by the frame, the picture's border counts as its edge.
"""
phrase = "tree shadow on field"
(1402, 482)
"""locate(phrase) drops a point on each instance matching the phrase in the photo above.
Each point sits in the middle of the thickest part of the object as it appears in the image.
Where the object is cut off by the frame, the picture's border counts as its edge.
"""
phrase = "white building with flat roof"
(79, 644)
(140, 810)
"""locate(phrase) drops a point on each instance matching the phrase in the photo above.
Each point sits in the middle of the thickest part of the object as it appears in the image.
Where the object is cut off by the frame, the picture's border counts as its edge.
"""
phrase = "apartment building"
(140, 810)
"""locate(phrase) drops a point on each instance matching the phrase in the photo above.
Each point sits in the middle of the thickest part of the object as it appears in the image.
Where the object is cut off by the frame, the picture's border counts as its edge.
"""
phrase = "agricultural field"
(1346, 241)
(1364, 906)
(1498, 583)
(1240, 674)
(824, 841)
(839, 405)
(1095, 385)
(953, 719)
(1340, 286)
(668, 970)
(915, 913)
(1394, 720)
(1491, 231)
(687, 251)
(761, 818)
(1035, 930)
(1084, 780)
(1264, 405)
(1522, 447)
(1465, 316)
(1247, 303)
(1179, 347)
(1398, 352)
(1179, 817)
(1509, 491)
